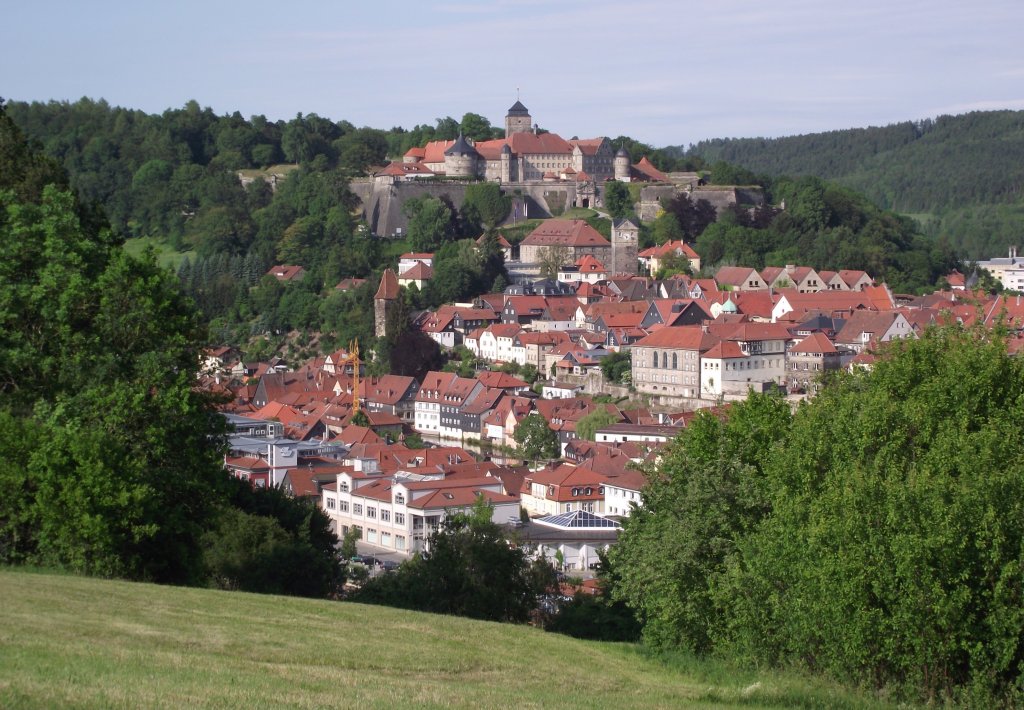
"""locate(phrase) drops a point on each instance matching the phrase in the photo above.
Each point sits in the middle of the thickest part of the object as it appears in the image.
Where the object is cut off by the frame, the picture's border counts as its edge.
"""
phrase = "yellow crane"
(353, 359)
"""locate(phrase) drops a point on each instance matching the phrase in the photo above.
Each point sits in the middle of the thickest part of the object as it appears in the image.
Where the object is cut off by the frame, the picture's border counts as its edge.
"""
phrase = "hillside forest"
(172, 180)
(960, 176)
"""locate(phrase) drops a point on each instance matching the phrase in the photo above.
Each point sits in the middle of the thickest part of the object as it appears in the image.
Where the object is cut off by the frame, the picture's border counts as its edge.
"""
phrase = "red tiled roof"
(588, 264)
(418, 272)
(652, 173)
(286, 272)
(587, 146)
(816, 343)
(725, 349)
(688, 337)
(565, 232)
(663, 250)
(389, 288)
(525, 144)
(433, 152)
(502, 242)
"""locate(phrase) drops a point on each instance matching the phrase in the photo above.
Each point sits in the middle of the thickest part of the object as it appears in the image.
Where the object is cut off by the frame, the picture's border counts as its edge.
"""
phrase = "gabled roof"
(725, 349)
(286, 272)
(588, 264)
(501, 380)
(502, 242)
(418, 272)
(504, 330)
(587, 146)
(735, 275)
(671, 247)
(815, 343)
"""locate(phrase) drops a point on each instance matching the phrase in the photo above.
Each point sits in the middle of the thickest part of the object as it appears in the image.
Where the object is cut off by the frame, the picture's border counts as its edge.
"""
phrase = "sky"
(666, 73)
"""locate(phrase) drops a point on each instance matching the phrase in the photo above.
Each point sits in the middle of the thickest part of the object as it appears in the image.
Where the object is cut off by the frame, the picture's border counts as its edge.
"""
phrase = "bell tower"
(518, 119)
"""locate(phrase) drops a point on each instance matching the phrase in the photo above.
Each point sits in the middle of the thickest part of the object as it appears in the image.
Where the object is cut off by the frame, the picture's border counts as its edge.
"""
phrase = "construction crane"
(353, 359)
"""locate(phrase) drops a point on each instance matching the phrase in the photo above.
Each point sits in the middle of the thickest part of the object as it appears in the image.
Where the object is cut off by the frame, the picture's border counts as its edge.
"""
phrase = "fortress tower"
(518, 120)
(384, 301)
(621, 165)
(460, 160)
(625, 238)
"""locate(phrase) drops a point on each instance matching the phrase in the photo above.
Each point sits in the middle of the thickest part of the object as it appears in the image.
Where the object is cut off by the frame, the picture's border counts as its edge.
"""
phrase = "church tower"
(384, 302)
(518, 120)
(625, 238)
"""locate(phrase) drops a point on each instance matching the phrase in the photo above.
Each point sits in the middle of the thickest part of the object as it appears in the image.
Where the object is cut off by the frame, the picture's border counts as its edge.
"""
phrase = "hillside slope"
(71, 641)
(961, 174)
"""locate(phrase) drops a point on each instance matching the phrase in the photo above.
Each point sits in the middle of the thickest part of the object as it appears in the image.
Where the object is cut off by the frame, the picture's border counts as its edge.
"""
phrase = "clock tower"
(625, 238)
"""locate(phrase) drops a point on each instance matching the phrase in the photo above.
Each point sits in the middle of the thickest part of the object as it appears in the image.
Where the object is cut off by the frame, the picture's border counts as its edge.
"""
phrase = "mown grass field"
(68, 641)
(165, 255)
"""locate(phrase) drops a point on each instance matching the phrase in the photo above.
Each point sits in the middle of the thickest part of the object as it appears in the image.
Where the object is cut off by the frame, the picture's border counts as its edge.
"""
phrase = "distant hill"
(72, 641)
(961, 176)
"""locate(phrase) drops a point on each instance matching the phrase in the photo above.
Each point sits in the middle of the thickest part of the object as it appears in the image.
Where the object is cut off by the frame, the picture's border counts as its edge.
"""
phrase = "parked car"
(371, 561)
(390, 565)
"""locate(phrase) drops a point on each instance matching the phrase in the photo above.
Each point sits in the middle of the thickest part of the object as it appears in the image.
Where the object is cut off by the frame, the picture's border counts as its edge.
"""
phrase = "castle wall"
(382, 203)
(721, 198)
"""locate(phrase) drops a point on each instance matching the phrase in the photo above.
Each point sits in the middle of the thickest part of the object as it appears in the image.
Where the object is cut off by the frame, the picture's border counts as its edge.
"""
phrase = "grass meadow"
(68, 641)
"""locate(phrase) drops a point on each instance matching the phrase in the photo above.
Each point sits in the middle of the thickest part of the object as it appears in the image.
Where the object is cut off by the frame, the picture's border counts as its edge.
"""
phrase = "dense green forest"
(960, 175)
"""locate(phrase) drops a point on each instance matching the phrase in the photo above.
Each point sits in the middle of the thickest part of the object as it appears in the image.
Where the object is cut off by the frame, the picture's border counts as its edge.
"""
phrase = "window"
(575, 491)
(371, 512)
(330, 503)
(357, 509)
(399, 518)
(400, 498)
(675, 361)
(654, 359)
(343, 506)
(385, 516)
(343, 486)
(664, 361)
(399, 542)
(590, 491)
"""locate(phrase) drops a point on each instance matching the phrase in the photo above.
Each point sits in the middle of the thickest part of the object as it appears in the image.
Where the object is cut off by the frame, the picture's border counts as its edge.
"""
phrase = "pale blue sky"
(668, 73)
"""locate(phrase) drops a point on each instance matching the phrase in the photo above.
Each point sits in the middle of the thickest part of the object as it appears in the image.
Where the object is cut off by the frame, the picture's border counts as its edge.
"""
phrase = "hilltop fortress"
(543, 171)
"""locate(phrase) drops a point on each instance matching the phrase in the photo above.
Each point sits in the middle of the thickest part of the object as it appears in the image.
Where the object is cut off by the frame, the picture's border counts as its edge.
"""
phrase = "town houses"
(393, 455)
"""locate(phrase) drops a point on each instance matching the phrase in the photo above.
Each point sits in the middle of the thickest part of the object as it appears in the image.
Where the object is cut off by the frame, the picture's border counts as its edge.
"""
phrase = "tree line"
(111, 460)
(874, 535)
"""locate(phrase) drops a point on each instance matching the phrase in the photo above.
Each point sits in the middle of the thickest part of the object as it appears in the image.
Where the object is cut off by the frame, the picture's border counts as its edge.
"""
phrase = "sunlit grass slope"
(73, 642)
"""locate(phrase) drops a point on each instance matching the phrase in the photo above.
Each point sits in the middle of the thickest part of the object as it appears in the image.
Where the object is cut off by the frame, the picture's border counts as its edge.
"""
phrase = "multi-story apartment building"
(398, 513)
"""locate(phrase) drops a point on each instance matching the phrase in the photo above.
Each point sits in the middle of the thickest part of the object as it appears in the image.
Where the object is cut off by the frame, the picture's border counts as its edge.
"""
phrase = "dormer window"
(400, 498)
